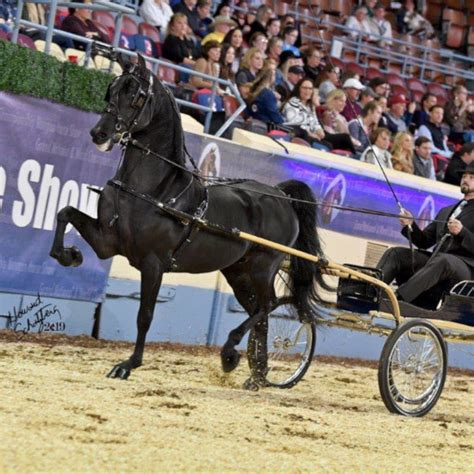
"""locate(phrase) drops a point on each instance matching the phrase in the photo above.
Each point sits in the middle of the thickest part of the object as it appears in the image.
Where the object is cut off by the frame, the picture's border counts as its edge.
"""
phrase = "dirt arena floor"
(179, 413)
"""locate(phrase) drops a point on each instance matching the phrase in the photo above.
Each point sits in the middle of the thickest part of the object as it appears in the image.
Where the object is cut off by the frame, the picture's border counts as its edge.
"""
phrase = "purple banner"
(332, 186)
(47, 162)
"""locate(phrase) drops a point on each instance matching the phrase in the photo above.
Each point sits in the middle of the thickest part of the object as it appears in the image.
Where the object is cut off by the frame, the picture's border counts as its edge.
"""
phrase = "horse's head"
(130, 105)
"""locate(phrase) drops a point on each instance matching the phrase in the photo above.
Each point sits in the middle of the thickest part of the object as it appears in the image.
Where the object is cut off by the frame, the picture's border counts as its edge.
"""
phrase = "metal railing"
(120, 9)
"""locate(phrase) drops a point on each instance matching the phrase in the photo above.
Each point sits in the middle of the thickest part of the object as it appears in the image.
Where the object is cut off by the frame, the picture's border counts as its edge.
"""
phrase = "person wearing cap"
(352, 88)
(458, 163)
(295, 74)
(433, 131)
(451, 237)
(398, 117)
(222, 25)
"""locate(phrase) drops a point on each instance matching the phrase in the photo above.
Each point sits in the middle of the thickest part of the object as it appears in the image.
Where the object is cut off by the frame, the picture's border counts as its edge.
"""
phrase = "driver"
(452, 258)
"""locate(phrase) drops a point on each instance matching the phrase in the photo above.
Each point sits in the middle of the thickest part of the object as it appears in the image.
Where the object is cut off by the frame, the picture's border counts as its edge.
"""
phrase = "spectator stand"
(159, 67)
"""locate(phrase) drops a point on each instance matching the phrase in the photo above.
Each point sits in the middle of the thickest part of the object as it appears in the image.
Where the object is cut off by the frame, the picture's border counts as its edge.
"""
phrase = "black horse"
(142, 115)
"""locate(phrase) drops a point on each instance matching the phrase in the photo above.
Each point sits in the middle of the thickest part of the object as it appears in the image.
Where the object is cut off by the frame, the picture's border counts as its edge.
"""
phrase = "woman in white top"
(157, 13)
(381, 143)
(300, 114)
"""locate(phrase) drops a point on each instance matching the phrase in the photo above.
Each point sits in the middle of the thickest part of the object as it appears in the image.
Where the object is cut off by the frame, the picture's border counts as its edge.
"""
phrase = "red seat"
(372, 73)
(415, 84)
(3, 35)
(106, 20)
(439, 91)
(231, 104)
(146, 29)
(129, 26)
(354, 67)
(399, 90)
(61, 13)
(104, 30)
(337, 63)
(395, 80)
(167, 74)
(26, 41)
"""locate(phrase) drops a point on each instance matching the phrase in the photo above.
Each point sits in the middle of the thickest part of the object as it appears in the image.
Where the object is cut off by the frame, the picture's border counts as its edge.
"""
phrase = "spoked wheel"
(412, 368)
(280, 350)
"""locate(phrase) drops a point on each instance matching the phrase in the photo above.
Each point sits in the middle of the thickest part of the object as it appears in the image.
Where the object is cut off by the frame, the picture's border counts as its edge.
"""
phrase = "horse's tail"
(305, 278)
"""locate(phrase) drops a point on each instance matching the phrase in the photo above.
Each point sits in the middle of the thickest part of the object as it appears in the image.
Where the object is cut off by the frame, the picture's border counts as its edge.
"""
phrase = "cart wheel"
(412, 368)
(280, 350)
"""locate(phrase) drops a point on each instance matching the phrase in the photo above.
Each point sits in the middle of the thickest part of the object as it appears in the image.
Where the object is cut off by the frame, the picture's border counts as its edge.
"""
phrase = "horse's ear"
(121, 61)
(141, 62)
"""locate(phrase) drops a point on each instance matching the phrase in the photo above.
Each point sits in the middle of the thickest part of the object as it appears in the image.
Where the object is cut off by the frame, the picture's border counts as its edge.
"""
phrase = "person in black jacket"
(452, 259)
(458, 163)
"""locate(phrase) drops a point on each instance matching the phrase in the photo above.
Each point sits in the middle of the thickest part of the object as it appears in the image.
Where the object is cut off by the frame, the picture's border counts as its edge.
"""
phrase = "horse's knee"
(64, 214)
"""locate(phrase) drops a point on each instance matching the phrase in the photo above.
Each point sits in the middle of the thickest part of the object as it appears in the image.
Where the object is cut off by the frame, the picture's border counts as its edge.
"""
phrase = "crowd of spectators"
(299, 90)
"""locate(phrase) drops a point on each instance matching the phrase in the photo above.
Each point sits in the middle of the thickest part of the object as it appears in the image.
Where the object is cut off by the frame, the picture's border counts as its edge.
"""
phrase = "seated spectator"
(380, 86)
(458, 163)
(398, 118)
(226, 62)
(366, 96)
(235, 38)
(459, 115)
(362, 128)
(312, 62)
(264, 13)
(337, 141)
(203, 10)
(208, 64)
(422, 160)
(224, 9)
(187, 8)
(221, 25)
(250, 17)
(260, 41)
(378, 153)
(178, 47)
(275, 48)
(287, 20)
(250, 66)
(6, 18)
(327, 81)
(433, 131)
(409, 21)
(262, 102)
(157, 13)
(289, 37)
(273, 27)
(79, 22)
(294, 75)
(369, 6)
(402, 152)
(240, 15)
(300, 114)
(335, 103)
(421, 117)
(359, 24)
(352, 88)
(381, 27)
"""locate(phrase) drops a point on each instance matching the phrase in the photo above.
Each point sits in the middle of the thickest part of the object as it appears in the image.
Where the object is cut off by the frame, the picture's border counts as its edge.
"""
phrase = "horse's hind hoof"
(68, 257)
(119, 372)
(231, 361)
(251, 384)
(76, 256)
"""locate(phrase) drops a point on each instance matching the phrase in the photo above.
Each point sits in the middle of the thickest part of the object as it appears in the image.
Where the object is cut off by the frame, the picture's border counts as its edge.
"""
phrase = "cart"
(413, 365)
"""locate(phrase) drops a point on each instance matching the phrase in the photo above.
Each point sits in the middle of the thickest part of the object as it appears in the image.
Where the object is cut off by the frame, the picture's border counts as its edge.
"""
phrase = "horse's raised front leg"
(152, 275)
(90, 230)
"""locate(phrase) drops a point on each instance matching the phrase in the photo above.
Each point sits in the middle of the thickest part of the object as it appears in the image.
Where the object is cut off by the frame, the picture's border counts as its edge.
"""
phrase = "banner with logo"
(47, 162)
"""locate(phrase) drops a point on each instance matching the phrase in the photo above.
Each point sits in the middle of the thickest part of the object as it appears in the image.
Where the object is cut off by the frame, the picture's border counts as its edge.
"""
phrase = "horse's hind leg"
(253, 288)
(152, 275)
(89, 228)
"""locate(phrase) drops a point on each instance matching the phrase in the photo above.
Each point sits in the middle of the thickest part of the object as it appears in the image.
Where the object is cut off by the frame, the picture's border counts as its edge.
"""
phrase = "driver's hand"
(406, 218)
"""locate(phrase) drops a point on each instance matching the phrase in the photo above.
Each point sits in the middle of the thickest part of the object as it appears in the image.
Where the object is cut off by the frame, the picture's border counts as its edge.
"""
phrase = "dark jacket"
(461, 245)
(176, 49)
(265, 108)
(454, 170)
(75, 25)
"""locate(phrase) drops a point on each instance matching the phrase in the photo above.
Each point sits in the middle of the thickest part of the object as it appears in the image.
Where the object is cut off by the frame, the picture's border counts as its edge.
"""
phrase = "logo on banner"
(333, 196)
(427, 211)
(210, 161)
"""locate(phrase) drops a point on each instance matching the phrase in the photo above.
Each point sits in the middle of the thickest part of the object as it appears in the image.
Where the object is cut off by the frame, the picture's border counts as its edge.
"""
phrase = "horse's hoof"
(251, 384)
(119, 372)
(231, 361)
(68, 257)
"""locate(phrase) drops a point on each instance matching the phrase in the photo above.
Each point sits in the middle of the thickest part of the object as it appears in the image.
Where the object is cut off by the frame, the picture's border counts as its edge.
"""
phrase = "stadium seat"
(339, 7)
(455, 36)
(150, 31)
(456, 4)
(104, 30)
(54, 50)
(129, 26)
(3, 35)
(105, 19)
(231, 104)
(337, 63)
(127, 42)
(168, 74)
(61, 13)
(26, 41)
(395, 80)
(399, 90)
(415, 85)
(372, 73)
(103, 64)
(439, 91)
(354, 67)
(433, 13)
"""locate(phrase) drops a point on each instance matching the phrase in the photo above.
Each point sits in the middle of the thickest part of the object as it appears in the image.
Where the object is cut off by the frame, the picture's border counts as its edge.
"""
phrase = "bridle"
(125, 126)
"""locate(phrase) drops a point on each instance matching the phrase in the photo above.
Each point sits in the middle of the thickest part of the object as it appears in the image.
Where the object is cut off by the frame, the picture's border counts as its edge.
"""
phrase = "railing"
(120, 9)
(406, 55)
